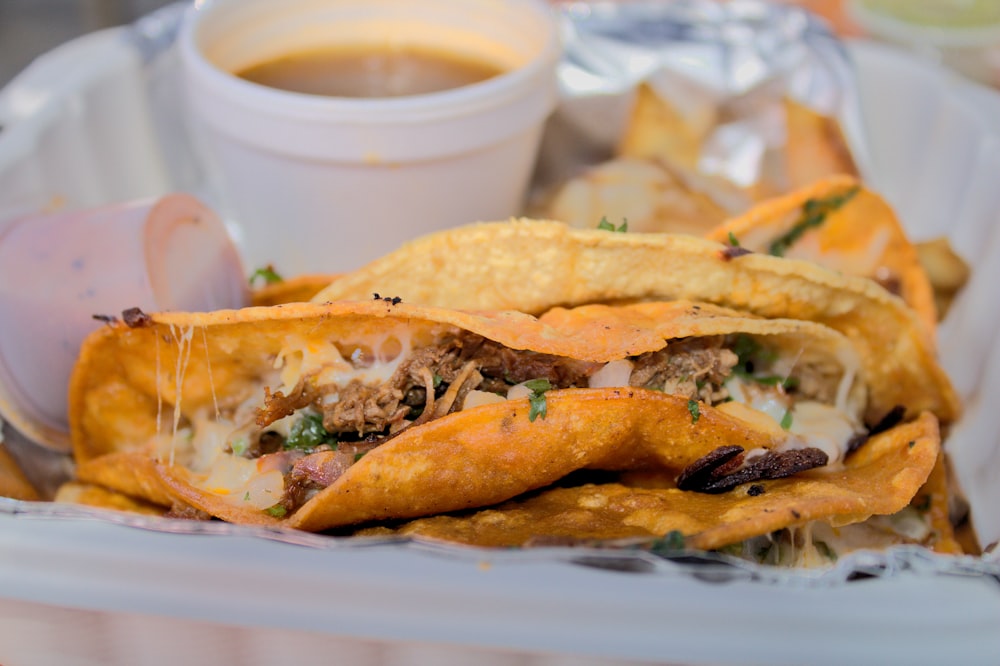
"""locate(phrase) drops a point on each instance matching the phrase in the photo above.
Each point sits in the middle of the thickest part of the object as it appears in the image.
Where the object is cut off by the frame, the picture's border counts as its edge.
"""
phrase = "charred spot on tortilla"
(730, 252)
(712, 475)
(891, 419)
(755, 490)
(700, 472)
(889, 280)
(136, 318)
(392, 300)
(856, 442)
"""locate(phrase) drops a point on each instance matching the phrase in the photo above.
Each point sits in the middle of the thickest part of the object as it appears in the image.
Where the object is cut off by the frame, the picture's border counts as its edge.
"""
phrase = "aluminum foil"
(726, 64)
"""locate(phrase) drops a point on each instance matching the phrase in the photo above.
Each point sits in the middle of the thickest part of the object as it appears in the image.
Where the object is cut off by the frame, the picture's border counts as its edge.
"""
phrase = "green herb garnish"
(239, 445)
(267, 274)
(308, 433)
(437, 380)
(733, 240)
(814, 213)
(359, 455)
(604, 225)
(694, 410)
(786, 420)
(777, 380)
(278, 511)
(246, 498)
(670, 543)
(536, 399)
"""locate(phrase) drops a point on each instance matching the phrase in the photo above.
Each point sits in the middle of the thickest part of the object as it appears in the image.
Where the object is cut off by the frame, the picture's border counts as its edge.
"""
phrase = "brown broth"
(370, 71)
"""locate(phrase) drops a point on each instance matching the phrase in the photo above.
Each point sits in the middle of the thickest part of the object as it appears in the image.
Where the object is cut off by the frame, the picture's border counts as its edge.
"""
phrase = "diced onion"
(262, 491)
(476, 398)
(518, 391)
(614, 373)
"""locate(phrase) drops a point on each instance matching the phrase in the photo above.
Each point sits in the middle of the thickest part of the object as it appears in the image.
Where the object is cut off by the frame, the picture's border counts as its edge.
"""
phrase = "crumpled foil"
(728, 65)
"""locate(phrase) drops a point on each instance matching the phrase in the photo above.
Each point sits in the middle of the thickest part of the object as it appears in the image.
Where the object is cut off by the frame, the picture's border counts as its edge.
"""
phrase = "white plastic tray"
(89, 123)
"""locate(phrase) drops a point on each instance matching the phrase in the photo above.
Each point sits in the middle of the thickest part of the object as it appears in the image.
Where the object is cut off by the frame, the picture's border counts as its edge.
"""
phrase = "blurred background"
(29, 28)
(963, 34)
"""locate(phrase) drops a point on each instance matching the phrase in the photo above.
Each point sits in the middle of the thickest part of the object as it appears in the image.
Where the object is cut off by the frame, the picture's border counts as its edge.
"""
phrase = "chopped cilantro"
(745, 349)
(813, 214)
(437, 380)
(278, 511)
(246, 498)
(536, 399)
(308, 432)
(239, 445)
(359, 455)
(694, 410)
(749, 352)
(670, 543)
(776, 380)
(267, 274)
(604, 225)
(733, 240)
(912, 443)
(786, 420)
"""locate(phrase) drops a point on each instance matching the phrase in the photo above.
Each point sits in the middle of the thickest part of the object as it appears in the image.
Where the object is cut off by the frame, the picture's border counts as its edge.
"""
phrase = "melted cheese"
(304, 356)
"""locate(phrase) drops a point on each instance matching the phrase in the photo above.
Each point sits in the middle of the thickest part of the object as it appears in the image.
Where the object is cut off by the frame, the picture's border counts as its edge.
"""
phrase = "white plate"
(89, 124)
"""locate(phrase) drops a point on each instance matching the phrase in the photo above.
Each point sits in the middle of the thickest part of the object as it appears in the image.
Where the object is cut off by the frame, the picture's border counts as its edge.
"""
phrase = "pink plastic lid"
(59, 270)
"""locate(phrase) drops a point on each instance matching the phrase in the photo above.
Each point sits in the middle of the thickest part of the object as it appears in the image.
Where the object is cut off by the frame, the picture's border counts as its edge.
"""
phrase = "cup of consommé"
(331, 131)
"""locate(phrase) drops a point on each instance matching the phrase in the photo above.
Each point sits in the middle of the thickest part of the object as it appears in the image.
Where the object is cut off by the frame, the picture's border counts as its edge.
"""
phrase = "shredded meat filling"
(692, 367)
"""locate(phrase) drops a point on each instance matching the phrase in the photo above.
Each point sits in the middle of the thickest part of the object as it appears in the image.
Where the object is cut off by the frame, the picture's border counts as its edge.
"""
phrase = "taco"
(533, 266)
(843, 226)
(828, 507)
(318, 416)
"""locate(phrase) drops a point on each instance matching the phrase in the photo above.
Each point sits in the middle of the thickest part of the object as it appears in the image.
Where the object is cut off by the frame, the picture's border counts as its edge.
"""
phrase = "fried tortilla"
(318, 416)
(844, 226)
(644, 195)
(534, 266)
(879, 478)
(13, 482)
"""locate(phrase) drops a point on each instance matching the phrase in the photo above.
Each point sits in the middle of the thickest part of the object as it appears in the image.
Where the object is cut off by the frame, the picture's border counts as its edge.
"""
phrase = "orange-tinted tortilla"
(469, 458)
(879, 478)
(74, 492)
(291, 290)
(13, 482)
(861, 237)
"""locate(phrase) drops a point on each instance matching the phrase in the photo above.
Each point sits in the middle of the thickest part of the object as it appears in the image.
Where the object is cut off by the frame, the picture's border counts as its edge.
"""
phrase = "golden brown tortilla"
(536, 265)
(880, 478)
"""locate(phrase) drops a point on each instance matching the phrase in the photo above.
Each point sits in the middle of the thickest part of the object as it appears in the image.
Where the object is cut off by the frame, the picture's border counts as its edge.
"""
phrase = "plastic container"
(59, 270)
(84, 587)
(348, 177)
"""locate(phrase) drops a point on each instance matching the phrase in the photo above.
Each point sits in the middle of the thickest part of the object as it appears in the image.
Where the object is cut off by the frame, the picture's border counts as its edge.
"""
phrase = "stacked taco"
(515, 383)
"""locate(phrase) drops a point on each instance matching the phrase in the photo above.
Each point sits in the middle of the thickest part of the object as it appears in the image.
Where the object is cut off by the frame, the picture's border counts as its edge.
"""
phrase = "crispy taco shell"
(13, 482)
(536, 265)
(188, 377)
(879, 478)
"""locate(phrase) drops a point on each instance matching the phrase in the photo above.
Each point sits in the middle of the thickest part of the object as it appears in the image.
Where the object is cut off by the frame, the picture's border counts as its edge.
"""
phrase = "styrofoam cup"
(59, 270)
(325, 184)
